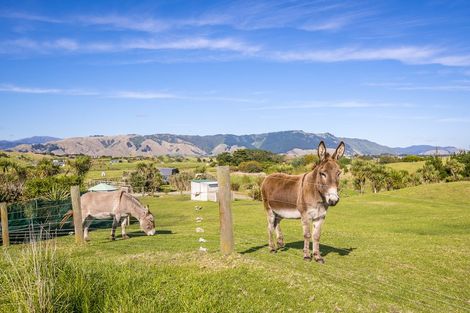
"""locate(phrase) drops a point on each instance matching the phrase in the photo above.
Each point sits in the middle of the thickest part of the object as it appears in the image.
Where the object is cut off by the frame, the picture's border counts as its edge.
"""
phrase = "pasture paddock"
(398, 251)
(411, 167)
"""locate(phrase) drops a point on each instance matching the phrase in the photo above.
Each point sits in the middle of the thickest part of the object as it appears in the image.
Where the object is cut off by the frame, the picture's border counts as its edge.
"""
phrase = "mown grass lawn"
(400, 251)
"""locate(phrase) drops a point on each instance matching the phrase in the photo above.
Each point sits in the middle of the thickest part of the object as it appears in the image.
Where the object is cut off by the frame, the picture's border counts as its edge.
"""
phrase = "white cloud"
(332, 24)
(123, 94)
(17, 89)
(405, 54)
(71, 45)
(454, 120)
(229, 44)
(338, 105)
(47, 46)
(51, 91)
(453, 60)
(147, 24)
(336, 22)
(458, 86)
(29, 17)
(123, 22)
(142, 95)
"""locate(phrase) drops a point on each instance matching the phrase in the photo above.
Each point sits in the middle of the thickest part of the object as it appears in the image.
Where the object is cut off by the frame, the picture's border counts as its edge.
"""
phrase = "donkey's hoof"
(272, 251)
(307, 258)
(280, 245)
(112, 238)
(320, 260)
(87, 239)
(125, 237)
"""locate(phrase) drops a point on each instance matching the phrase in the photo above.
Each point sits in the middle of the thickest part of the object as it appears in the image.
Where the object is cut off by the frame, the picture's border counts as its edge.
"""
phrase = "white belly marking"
(287, 213)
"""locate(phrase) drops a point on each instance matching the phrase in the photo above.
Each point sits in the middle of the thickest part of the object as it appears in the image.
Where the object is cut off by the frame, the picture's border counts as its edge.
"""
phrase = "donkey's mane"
(132, 199)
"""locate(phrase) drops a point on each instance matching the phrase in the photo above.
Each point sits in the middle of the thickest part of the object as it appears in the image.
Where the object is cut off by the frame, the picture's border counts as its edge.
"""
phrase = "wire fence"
(32, 220)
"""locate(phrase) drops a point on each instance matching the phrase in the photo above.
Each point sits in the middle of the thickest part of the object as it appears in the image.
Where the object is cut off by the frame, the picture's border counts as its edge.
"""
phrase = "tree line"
(381, 177)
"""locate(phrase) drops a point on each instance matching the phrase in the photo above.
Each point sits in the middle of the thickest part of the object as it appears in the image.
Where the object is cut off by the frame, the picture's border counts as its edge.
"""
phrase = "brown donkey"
(306, 197)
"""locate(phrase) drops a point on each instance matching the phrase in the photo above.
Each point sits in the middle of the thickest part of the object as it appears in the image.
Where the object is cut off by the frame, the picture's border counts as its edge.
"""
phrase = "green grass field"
(399, 251)
(411, 167)
(116, 170)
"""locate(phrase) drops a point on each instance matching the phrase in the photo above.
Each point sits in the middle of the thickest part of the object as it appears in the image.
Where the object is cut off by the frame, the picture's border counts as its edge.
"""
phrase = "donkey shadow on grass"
(299, 245)
(139, 233)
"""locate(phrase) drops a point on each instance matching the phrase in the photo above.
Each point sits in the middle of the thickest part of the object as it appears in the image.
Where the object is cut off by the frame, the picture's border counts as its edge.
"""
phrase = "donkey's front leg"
(113, 228)
(316, 240)
(306, 226)
(123, 228)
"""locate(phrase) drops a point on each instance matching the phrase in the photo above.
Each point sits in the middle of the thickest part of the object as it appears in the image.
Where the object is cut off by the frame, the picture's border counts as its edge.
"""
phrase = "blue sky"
(394, 72)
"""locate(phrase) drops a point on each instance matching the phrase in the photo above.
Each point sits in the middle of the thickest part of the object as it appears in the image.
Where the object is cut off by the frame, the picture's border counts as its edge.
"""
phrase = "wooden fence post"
(77, 214)
(225, 210)
(4, 216)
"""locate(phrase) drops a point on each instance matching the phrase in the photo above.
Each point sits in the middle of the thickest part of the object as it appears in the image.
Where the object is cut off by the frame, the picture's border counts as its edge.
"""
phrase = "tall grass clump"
(39, 279)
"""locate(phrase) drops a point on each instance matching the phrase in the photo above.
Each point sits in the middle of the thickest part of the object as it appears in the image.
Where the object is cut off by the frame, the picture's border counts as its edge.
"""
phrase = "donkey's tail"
(67, 215)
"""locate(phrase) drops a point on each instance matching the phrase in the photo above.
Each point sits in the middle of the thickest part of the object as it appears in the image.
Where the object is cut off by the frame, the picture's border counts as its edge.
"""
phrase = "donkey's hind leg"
(279, 235)
(271, 220)
(113, 228)
(86, 224)
(123, 228)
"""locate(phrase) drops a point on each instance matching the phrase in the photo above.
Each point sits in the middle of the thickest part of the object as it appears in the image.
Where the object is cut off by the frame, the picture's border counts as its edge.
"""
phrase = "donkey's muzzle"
(333, 202)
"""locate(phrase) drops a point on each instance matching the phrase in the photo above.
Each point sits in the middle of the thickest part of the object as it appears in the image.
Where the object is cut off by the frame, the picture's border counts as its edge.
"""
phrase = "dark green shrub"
(250, 167)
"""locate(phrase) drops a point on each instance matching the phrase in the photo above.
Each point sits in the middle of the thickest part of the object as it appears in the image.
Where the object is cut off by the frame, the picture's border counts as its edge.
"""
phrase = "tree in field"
(397, 179)
(81, 165)
(12, 180)
(464, 158)
(250, 167)
(146, 178)
(45, 168)
(455, 169)
(377, 175)
(50, 188)
(224, 158)
(246, 155)
(359, 169)
(438, 165)
(305, 160)
(181, 181)
(428, 174)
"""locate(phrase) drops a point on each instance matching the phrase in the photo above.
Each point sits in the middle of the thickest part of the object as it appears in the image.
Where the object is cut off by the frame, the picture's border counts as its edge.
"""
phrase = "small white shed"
(204, 190)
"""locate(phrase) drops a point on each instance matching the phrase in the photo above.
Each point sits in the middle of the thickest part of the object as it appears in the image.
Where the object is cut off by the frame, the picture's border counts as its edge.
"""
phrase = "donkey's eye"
(339, 173)
(323, 174)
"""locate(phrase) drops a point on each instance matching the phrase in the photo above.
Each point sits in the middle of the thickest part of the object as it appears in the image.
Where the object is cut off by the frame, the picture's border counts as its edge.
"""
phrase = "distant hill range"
(5, 144)
(286, 142)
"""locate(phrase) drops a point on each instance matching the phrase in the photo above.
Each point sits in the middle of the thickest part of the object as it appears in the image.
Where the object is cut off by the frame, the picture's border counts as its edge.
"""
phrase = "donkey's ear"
(321, 150)
(339, 151)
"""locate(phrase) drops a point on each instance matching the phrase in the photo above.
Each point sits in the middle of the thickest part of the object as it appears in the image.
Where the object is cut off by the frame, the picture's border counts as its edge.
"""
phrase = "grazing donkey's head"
(147, 222)
(328, 173)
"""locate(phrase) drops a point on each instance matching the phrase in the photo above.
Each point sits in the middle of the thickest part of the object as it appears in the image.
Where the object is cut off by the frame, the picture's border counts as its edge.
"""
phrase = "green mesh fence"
(40, 219)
